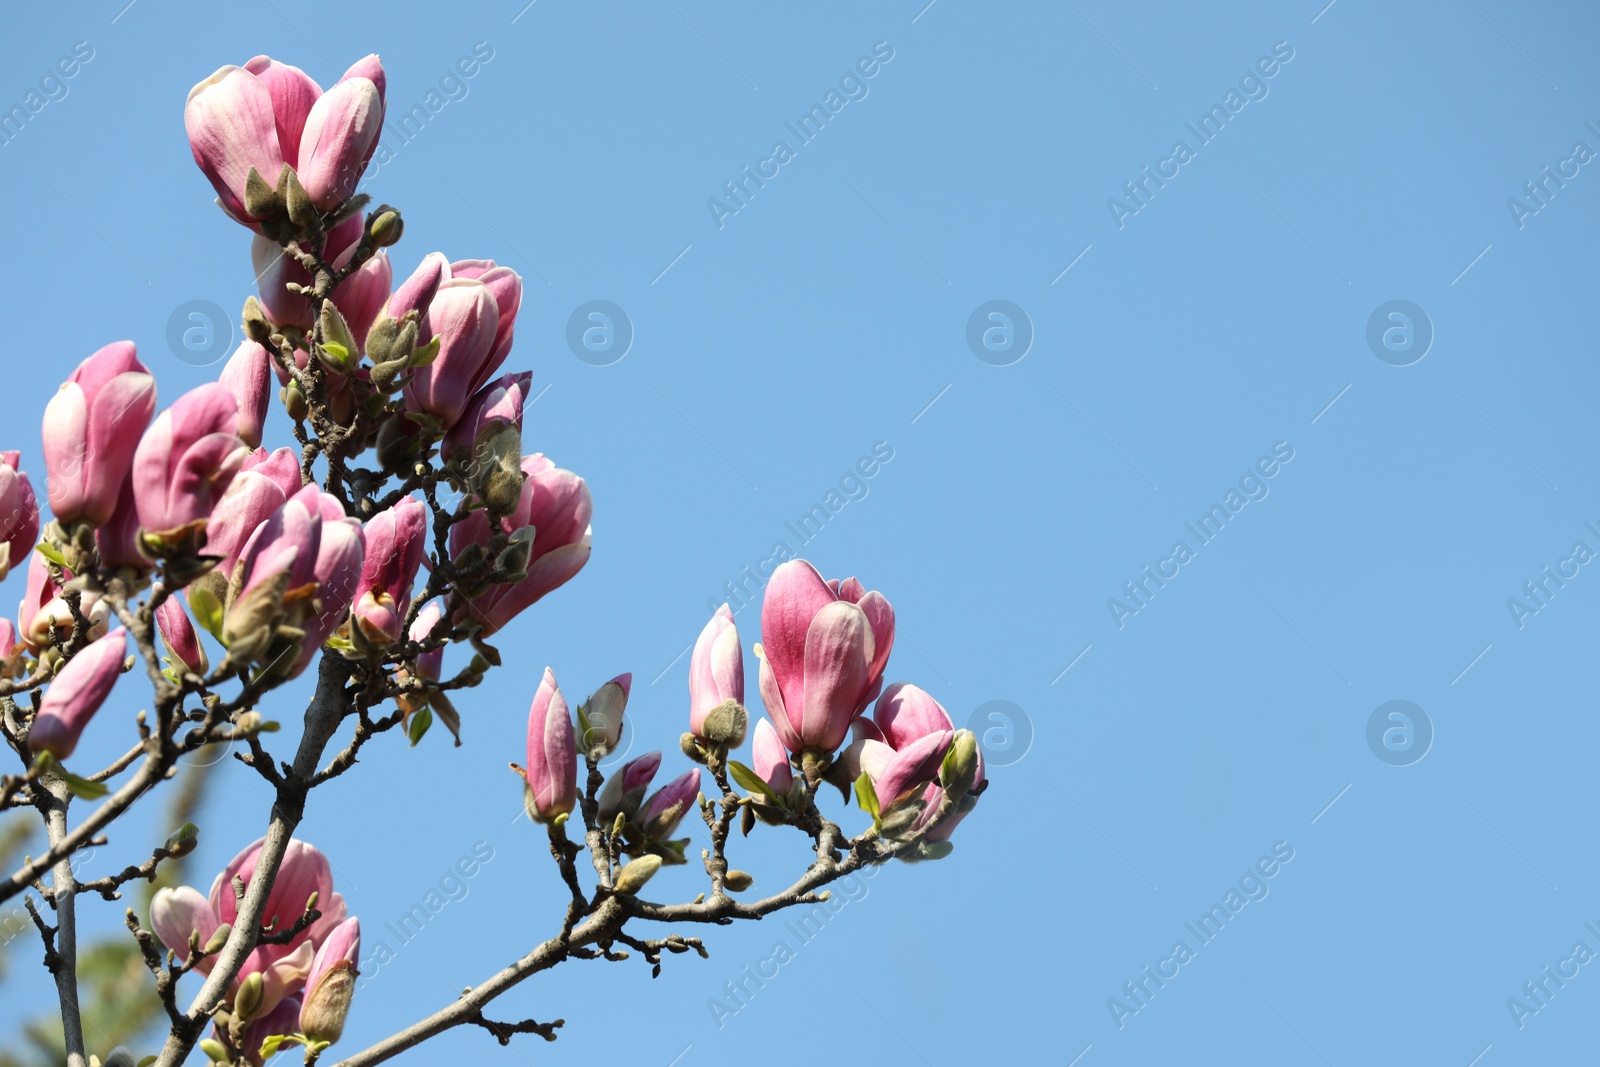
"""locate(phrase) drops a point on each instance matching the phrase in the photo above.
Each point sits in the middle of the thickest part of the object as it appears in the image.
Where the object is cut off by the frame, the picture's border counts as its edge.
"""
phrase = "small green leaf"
(419, 725)
(426, 354)
(207, 609)
(82, 787)
(867, 797)
(585, 731)
(51, 553)
(751, 780)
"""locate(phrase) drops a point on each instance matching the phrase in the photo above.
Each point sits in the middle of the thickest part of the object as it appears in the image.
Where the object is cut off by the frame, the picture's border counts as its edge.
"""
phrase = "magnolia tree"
(405, 520)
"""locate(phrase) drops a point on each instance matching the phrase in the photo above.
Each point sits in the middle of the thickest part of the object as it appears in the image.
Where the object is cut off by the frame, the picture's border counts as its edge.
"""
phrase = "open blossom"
(396, 541)
(341, 134)
(824, 647)
(187, 459)
(44, 612)
(91, 427)
(19, 513)
(472, 312)
(76, 693)
(296, 578)
(552, 769)
(178, 913)
(556, 503)
(716, 670)
(293, 93)
(232, 129)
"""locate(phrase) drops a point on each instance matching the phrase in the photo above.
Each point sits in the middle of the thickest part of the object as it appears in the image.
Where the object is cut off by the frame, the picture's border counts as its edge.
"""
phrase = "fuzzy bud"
(738, 881)
(635, 874)
(725, 724)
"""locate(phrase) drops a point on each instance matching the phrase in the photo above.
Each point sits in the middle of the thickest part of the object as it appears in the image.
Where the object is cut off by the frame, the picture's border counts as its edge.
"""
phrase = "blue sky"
(1177, 352)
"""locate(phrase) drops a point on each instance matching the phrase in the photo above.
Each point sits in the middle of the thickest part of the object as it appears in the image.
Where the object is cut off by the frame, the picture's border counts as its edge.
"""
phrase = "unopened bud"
(738, 881)
(936, 850)
(294, 401)
(219, 937)
(635, 874)
(302, 212)
(725, 724)
(256, 326)
(960, 768)
(691, 747)
(247, 1002)
(260, 199)
(323, 1014)
(213, 1050)
(183, 840)
(338, 349)
(387, 227)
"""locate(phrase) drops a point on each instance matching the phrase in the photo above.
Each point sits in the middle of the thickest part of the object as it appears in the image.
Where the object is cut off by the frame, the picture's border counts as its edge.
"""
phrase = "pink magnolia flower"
(187, 459)
(233, 128)
(906, 713)
(463, 316)
(178, 633)
(266, 480)
(552, 769)
(556, 503)
(44, 611)
(19, 513)
(299, 569)
(505, 285)
(359, 297)
(305, 870)
(497, 404)
(91, 427)
(331, 983)
(248, 376)
(428, 663)
(716, 670)
(824, 648)
(771, 759)
(895, 773)
(177, 912)
(76, 694)
(396, 542)
(341, 133)
(418, 290)
(117, 540)
(668, 805)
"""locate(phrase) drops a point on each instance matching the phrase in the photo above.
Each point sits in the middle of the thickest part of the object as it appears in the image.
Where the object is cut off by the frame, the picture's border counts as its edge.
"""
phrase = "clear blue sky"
(830, 313)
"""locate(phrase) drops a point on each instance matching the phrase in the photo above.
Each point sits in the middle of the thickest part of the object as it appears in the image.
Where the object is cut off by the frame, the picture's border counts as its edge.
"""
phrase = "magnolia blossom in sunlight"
(91, 427)
(552, 767)
(76, 694)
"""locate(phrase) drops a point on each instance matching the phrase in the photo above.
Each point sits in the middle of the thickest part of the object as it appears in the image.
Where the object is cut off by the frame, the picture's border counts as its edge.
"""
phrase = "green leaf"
(867, 797)
(271, 1045)
(82, 787)
(426, 354)
(752, 781)
(419, 725)
(339, 352)
(207, 609)
(585, 731)
(51, 553)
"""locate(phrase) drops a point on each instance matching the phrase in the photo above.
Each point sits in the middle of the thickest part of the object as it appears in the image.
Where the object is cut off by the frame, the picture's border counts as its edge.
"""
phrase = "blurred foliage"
(117, 992)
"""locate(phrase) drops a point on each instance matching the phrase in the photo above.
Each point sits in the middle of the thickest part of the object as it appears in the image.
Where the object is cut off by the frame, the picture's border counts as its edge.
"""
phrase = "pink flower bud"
(771, 759)
(187, 459)
(668, 805)
(498, 403)
(418, 291)
(396, 542)
(556, 503)
(428, 663)
(604, 711)
(248, 376)
(910, 767)
(824, 648)
(76, 694)
(19, 513)
(716, 670)
(552, 769)
(264, 483)
(178, 633)
(340, 135)
(624, 790)
(464, 318)
(331, 983)
(293, 92)
(232, 128)
(91, 427)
